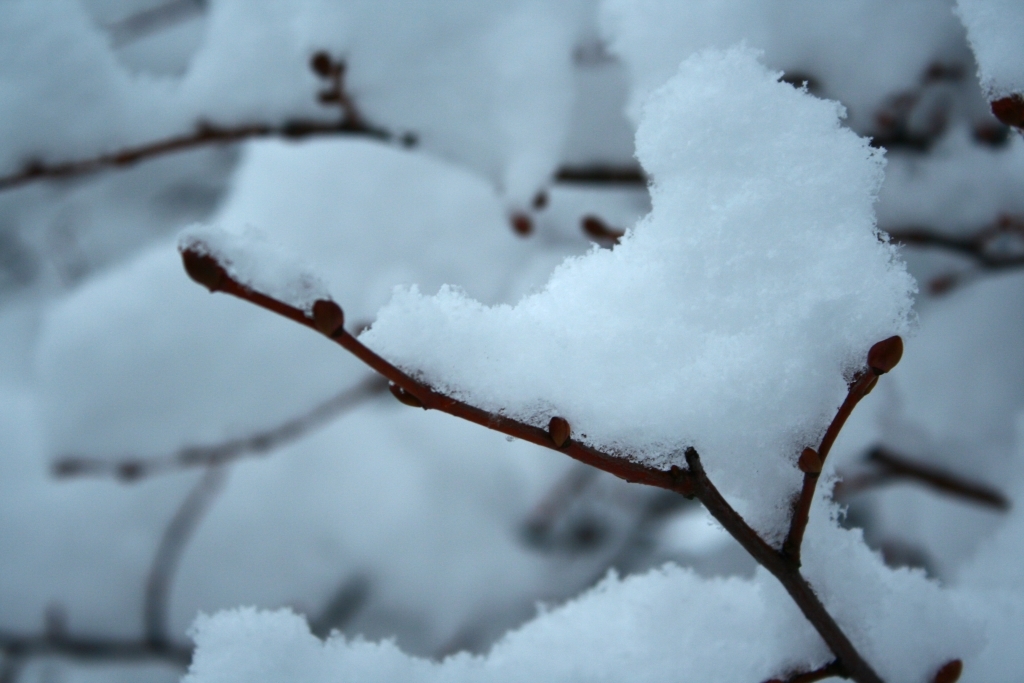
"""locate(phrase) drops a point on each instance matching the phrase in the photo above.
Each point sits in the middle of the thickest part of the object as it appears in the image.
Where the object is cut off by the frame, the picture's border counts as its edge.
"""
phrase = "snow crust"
(727, 320)
(994, 28)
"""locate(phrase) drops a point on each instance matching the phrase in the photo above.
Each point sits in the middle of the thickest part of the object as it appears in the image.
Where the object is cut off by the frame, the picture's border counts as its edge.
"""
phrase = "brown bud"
(560, 431)
(949, 672)
(404, 396)
(204, 269)
(1010, 110)
(321, 63)
(521, 223)
(598, 229)
(810, 461)
(884, 355)
(328, 318)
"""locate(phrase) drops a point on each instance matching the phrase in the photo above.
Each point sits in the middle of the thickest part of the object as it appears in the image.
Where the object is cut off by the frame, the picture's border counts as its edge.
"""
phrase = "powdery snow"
(728, 319)
(995, 28)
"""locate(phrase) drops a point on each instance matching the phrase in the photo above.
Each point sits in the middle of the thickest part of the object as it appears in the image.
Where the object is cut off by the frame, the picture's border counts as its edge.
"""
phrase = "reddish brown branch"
(602, 175)
(328, 318)
(893, 468)
(830, 670)
(882, 358)
(786, 571)
(206, 134)
(131, 469)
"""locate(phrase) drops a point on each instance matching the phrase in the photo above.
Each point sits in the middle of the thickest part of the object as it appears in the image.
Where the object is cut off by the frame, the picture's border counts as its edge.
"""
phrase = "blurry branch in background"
(19, 648)
(882, 358)
(172, 544)
(205, 134)
(132, 469)
(153, 20)
(994, 247)
(327, 318)
(830, 670)
(890, 468)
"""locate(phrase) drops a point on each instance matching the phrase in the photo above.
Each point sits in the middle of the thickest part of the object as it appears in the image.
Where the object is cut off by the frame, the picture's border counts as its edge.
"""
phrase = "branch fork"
(328, 318)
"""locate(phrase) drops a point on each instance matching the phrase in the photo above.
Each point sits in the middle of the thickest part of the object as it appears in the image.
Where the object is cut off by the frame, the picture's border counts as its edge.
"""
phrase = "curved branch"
(172, 544)
(132, 469)
(206, 134)
(92, 649)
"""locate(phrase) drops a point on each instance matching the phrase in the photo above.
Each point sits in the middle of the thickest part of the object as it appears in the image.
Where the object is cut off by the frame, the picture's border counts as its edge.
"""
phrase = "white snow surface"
(668, 624)
(994, 28)
(728, 319)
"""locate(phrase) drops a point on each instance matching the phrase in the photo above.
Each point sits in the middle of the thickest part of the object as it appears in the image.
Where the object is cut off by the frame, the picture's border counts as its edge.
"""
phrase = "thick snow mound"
(729, 319)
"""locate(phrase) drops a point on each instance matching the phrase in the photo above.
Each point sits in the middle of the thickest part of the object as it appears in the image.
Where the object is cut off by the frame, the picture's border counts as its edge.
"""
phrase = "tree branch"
(833, 668)
(133, 468)
(882, 357)
(92, 649)
(206, 134)
(165, 562)
(328, 319)
(893, 468)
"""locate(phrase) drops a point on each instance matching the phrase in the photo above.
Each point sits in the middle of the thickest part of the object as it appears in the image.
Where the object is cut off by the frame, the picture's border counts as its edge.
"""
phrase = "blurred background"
(164, 452)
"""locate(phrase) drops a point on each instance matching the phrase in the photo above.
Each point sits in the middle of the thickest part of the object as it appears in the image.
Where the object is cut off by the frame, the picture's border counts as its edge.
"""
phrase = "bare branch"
(784, 569)
(206, 134)
(153, 20)
(882, 358)
(996, 246)
(92, 649)
(133, 468)
(893, 468)
(830, 670)
(172, 544)
(602, 175)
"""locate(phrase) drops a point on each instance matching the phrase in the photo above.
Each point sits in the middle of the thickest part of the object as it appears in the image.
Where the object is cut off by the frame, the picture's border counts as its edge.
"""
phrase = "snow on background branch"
(752, 289)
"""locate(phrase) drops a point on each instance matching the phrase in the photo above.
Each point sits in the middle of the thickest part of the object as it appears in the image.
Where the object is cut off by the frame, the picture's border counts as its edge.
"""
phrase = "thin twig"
(882, 357)
(133, 468)
(602, 175)
(830, 670)
(328, 319)
(172, 545)
(894, 468)
(331, 71)
(977, 246)
(92, 649)
(153, 20)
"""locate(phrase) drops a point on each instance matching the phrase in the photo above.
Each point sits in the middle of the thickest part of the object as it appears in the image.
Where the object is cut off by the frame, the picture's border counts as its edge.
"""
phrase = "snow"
(701, 328)
(110, 351)
(658, 626)
(994, 28)
(807, 40)
(252, 67)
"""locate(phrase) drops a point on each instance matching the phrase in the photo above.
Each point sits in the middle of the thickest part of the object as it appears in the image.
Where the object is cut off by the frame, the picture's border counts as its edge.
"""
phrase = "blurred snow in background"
(386, 522)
